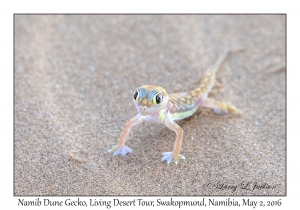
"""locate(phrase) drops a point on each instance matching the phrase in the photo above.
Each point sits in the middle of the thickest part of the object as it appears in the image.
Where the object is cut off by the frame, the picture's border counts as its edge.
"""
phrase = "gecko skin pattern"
(155, 105)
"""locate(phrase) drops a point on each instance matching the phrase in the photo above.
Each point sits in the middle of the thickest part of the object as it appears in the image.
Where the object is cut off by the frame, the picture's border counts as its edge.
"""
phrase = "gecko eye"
(135, 95)
(158, 98)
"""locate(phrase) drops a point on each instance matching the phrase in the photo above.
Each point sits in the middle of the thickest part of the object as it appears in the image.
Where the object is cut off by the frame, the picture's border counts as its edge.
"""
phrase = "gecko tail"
(217, 65)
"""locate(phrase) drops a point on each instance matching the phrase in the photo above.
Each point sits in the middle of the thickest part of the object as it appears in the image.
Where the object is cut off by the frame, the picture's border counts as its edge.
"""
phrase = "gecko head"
(150, 99)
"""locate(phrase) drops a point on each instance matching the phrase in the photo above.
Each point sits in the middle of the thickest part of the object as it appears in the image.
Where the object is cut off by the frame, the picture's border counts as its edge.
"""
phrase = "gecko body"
(154, 104)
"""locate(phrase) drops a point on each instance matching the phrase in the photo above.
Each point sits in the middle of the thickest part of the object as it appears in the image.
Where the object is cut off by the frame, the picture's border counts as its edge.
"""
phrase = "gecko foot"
(122, 150)
(233, 110)
(169, 157)
(229, 110)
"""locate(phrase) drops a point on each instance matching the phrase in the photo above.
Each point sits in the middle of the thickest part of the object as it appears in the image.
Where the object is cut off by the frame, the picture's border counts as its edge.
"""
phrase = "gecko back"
(183, 105)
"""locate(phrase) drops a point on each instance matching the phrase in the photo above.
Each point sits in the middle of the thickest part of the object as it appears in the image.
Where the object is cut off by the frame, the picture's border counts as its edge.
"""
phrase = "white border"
(154, 6)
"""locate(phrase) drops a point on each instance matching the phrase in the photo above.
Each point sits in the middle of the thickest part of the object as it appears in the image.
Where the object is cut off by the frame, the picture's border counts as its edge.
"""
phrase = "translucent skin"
(155, 105)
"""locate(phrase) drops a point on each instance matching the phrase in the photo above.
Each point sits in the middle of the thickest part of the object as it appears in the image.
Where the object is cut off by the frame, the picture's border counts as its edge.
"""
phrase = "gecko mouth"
(143, 110)
(147, 110)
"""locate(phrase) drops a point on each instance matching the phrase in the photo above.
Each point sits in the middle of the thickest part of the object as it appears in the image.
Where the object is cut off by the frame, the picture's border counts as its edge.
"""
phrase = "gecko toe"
(169, 157)
(122, 150)
(181, 157)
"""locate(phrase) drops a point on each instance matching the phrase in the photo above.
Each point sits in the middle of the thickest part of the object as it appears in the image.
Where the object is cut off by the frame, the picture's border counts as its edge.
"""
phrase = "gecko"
(154, 104)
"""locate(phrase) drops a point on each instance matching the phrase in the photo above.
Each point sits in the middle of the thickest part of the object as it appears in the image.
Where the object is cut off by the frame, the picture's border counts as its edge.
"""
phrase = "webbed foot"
(122, 150)
(169, 157)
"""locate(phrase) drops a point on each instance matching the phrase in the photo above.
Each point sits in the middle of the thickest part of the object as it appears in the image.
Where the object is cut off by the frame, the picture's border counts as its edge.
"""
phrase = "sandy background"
(74, 79)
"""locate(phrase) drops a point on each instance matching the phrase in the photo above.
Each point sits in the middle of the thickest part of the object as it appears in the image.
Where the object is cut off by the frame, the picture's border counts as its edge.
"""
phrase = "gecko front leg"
(173, 156)
(121, 148)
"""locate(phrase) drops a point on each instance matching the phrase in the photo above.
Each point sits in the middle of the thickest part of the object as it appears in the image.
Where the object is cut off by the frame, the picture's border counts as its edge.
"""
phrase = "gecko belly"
(183, 114)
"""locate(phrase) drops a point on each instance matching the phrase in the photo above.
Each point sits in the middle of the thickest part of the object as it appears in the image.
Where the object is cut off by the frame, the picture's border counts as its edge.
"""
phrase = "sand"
(74, 82)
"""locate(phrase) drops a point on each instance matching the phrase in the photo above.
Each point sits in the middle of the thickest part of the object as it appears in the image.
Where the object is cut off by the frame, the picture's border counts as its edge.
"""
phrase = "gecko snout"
(143, 108)
(145, 103)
